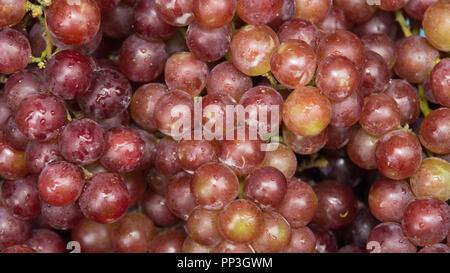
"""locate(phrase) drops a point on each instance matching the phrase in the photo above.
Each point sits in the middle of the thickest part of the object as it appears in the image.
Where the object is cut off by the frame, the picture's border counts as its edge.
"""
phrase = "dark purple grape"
(326, 241)
(117, 22)
(136, 186)
(286, 13)
(389, 238)
(338, 137)
(381, 23)
(343, 170)
(13, 136)
(358, 231)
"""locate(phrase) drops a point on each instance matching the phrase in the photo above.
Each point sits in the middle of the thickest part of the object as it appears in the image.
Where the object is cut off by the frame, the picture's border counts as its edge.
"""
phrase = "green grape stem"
(273, 82)
(424, 107)
(401, 20)
(313, 162)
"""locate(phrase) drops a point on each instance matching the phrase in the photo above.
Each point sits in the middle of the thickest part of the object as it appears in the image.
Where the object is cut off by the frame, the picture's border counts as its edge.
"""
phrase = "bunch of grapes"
(103, 144)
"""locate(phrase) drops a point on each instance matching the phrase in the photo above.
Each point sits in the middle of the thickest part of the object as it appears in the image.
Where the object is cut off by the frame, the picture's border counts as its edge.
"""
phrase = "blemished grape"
(258, 12)
(252, 47)
(214, 13)
(389, 238)
(306, 111)
(16, 50)
(177, 13)
(435, 25)
(415, 59)
(439, 81)
(283, 158)
(203, 226)
(61, 217)
(388, 199)
(313, 11)
(304, 145)
(380, 114)
(108, 95)
(93, 237)
(166, 157)
(68, 74)
(21, 85)
(426, 221)
(140, 226)
(241, 221)
(105, 198)
(155, 207)
(73, 23)
(357, 11)
(142, 60)
(326, 241)
(21, 197)
(383, 45)
(434, 131)
(299, 29)
(179, 196)
(214, 185)
(186, 72)
(46, 241)
(293, 63)
(199, 40)
(168, 241)
(361, 149)
(337, 77)
(432, 179)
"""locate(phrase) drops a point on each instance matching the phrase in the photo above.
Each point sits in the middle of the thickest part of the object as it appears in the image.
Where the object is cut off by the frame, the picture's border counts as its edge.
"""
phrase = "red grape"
(192, 153)
(46, 241)
(166, 157)
(214, 13)
(93, 237)
(15, 50)
(61, 217)
(21, 197)
(155, 207)
(361, 149)
(168, 241)
(203, 227)
(432, 179)
(347, 112)
(302, 241)
(389, 238)
(21, 85)
(407, 100)
(258, 12)
(199, 40)
(12, 161)
(12, 12)
(380, 114)
(383, 45)
(147, 22)
(13, 136)
(435, 25)
(434, 131)
(133, 233)
(305, 145)
(275, 234)
(313, 11)
(357, 11)
(299, 29)
(440, 82)
(283, 158)
(179, 196)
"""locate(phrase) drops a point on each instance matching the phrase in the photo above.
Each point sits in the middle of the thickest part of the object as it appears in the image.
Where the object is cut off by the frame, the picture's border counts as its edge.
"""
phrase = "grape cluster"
(103, 142)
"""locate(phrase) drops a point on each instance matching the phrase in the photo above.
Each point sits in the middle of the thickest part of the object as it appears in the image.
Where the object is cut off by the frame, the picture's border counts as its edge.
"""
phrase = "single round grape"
(252, 47)
(243, 153)
(293, 63)
(174, 113)
(434, 131)
(275, 234)
(440, 82)
(380, 114)
(143, 104)
(108, 95)
(305, 145)
(61, 217)
(415, 59)
(241, 221)
(326, 241)
(361, 149)
(347, 112)
(313, 11)
(261, 101)
(338, 137)
(60, 183)
(383, 45)
(15, 50)
(334, 20)
(12, 12)
(117, 22)
(214, 185)
(286, 13)
(105, 198)
(299, 29)
(46, 241)
(382, 22)
(21, 197)
(73, 23)
(193, 152)
(168, 241)
(357, 11)
(186, 72)
(426, 221)
(13, 136)
(435, 25)
(389, 238)
(225, 78)
(179, 196)
(216, 118)
(283, 158)
(302, 241)
(435, 248)
(214, 13)
(388, 199)
(407, 100)
(232, 247)
(390, 5)
(93, 237)
(199, 40)
(155, 207)
(416, 8)
(21, 85)
(336, 207)
(68, 74)
(306, 111)
(82, 141)
(39, 154)
(142, 60)
(86, 48)
(375, 74)
(359, 230)
(12, 161)
(166, 157)
(203, 226)
(432, 179)
(156, 181)
(147, 22)
(266, 187)
(133, 233)
(343, 43)
(337, 77)
(191, 246)
(258, 12)
(299, 204)
(178, 13)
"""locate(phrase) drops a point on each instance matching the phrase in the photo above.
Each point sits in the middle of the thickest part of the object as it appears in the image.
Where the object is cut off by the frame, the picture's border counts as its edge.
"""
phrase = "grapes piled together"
(99, 143)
